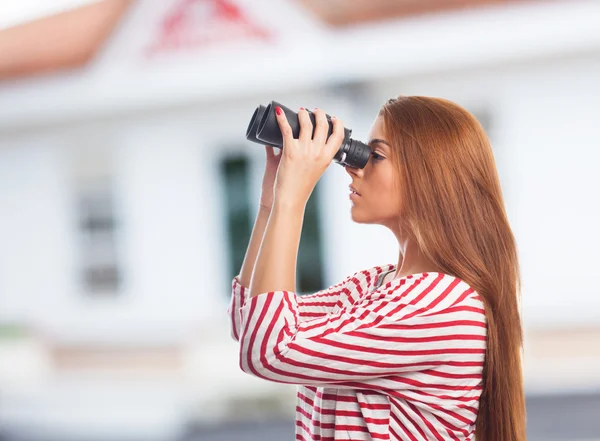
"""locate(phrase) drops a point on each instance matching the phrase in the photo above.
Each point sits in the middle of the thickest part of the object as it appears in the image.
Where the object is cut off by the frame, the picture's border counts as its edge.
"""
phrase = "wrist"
(265, 208)
(289, 204)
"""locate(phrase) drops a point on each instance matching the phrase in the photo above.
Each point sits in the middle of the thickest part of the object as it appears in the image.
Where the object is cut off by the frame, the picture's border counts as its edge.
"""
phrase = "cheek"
(383, 201)
(385, 189)
(387, 184)
(386, 200)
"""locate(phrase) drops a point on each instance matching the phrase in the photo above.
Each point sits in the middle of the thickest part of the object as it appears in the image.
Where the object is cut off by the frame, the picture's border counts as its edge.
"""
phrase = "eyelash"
(376, 156)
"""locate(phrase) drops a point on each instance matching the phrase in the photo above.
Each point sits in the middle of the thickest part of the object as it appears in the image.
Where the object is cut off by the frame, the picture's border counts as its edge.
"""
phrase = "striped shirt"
(400, 361)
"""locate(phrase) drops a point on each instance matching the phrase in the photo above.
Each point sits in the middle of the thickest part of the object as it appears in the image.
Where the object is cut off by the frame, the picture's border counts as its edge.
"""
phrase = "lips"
(352, 189)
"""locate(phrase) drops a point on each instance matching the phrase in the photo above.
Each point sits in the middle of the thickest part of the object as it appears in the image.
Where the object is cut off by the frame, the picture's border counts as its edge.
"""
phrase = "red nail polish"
(301, 108)
(278, 110)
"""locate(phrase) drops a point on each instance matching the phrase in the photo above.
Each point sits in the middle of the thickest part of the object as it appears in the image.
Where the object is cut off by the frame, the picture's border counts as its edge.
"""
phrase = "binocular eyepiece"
(264, 129)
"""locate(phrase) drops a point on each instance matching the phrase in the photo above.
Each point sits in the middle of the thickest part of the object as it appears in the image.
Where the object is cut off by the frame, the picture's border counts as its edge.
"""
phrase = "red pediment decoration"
(200, 23)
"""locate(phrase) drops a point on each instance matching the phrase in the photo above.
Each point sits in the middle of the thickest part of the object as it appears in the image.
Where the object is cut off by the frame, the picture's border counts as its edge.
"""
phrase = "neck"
(411, 260)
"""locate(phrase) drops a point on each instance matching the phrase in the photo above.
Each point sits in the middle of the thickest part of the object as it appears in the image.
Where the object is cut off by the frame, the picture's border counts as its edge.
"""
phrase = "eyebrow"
(377, 140)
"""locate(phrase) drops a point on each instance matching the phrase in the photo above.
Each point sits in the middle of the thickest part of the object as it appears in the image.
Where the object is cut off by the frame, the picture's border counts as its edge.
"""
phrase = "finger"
(270, 152)
(337, 137)
(321, 128)
(284, 126)
(306, 126)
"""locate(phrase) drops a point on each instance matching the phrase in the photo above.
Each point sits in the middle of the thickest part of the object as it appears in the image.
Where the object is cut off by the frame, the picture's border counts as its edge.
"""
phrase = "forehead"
(377, 130)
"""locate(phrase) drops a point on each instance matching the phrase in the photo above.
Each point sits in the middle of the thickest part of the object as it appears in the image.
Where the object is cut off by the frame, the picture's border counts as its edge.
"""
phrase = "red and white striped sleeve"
(413, 324)
(239, 295)
(308, 306)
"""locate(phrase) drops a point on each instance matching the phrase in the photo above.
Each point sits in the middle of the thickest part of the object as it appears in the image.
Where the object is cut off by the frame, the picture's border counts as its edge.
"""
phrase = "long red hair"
(452, 204)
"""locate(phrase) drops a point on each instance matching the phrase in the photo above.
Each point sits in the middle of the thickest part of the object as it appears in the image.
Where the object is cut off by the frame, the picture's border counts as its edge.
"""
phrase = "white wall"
(35, 255)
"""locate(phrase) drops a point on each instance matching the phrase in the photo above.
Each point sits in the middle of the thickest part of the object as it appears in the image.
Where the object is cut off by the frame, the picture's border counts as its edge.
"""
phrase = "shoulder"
(368, 276)
(433, 292)
(363, 279)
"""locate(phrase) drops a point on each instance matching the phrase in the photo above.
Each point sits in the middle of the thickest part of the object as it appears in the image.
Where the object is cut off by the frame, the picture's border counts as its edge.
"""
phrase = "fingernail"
(316, 108)
(333, 117)
(301, 108)
(278, 110)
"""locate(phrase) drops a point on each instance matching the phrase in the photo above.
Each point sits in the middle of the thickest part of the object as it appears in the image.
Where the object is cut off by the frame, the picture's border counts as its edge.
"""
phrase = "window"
(309, 277)
(100, 271)
(236, 183)
(235, 175)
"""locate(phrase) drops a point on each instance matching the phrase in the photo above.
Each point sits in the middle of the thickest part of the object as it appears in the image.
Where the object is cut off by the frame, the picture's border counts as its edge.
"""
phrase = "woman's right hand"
(271, 166)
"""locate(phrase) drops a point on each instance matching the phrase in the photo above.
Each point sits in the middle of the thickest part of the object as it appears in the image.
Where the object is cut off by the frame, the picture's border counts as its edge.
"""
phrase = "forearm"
(260, 225)
(275, 268)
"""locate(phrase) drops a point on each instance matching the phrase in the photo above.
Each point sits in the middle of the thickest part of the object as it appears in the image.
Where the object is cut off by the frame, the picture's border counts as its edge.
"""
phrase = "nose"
(354, 171)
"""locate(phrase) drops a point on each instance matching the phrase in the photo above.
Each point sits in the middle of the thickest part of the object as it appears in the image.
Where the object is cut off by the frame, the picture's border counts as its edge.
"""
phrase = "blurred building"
(128, 190)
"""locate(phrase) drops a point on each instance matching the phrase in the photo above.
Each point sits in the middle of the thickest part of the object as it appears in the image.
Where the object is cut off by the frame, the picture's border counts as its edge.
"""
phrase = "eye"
(376, 157)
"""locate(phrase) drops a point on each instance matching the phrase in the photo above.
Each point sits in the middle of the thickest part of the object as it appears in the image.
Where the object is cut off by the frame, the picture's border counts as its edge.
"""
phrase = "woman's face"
(378, 201)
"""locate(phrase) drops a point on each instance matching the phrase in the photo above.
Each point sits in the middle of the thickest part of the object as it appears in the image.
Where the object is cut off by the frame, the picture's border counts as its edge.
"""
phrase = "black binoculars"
(264, 129)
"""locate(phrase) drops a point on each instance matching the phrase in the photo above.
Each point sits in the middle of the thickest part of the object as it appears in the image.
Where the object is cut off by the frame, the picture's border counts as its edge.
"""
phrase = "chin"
(359, 217)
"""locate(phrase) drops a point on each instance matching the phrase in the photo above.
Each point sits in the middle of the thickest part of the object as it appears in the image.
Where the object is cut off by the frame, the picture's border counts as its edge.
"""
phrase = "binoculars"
(264, 129)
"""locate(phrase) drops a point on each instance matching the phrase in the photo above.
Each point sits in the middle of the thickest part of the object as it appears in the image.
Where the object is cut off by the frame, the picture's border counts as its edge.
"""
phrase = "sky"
(15, 12)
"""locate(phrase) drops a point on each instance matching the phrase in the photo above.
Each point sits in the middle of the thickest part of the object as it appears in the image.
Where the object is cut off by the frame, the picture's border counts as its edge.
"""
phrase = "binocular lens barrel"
(264, 129)
(251, 130)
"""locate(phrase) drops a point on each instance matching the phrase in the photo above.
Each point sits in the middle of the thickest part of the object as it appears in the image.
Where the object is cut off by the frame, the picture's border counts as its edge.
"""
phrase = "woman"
(428, 349)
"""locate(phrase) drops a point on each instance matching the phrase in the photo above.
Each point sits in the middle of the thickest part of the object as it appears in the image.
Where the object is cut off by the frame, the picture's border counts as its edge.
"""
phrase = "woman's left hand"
(304, 159)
